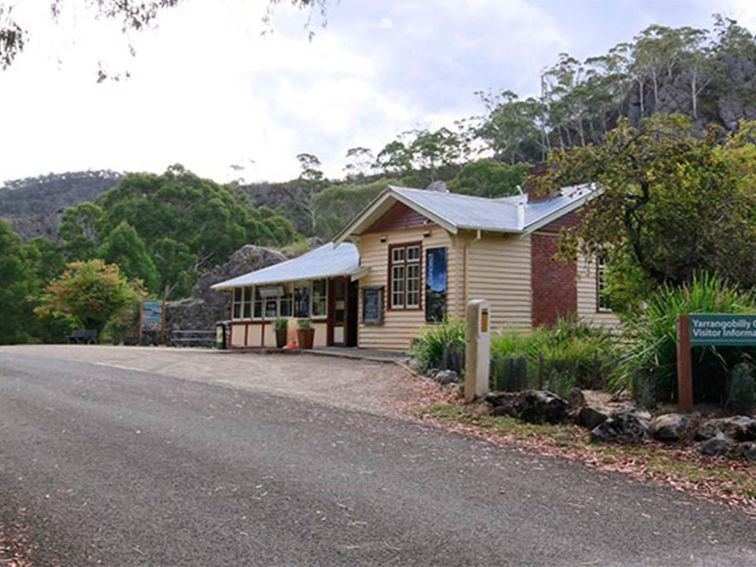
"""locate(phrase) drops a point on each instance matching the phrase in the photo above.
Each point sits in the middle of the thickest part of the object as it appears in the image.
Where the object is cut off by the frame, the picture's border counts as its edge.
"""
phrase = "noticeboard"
(152, 315)
(372, 305)
(720, 329)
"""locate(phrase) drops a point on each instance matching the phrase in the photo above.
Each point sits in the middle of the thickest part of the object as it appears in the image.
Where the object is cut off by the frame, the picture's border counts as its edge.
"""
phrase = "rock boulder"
(206, 306)
(716, 446)
(591, 417)
(532, 406)
(670, 427)
(625, 427)
(739, 427)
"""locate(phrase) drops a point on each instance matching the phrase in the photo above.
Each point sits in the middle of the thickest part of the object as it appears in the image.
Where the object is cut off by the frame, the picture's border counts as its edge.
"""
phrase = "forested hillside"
(52, 192)
(33, 205)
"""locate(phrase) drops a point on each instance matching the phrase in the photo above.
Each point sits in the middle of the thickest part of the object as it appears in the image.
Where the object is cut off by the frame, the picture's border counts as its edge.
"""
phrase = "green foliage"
(568, 354)
(488, 178)
(45, 258)
(304, 324)
(424, 154)
(512, 128)
(671, 202)
(280, 323)
(121, 328)
(650, 364)
(124, 247)
(89, 294)
(337, 205)
(79, 231)
(166, 229)
(177, 267)
(740, 398)
(18, 283)
(431, 347)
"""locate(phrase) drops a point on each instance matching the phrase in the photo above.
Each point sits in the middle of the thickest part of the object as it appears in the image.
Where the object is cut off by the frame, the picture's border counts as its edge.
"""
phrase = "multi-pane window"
(601, 300)
(405, 276)
(302, 300)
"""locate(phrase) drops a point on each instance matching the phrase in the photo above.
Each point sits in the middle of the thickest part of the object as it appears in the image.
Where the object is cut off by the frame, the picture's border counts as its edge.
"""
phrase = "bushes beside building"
(567, 355)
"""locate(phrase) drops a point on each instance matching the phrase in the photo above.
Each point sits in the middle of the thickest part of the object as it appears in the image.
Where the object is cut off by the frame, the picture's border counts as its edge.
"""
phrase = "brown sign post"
(684, 365)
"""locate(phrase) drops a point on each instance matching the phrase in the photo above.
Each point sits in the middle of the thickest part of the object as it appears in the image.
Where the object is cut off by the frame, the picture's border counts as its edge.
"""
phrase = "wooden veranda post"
(684, 366)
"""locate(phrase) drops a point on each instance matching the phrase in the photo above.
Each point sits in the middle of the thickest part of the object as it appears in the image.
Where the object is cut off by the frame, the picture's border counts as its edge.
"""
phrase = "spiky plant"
(651, 353)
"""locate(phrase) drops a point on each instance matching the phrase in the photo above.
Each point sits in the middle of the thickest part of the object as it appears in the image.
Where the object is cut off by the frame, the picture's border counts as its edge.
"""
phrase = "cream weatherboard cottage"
(413, 257)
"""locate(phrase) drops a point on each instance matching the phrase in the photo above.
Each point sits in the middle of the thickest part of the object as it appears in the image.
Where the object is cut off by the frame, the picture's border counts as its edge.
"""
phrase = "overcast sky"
(207, 90)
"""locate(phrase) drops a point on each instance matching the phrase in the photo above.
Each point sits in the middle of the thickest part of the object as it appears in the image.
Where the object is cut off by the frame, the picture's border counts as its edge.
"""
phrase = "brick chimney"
(534, 195)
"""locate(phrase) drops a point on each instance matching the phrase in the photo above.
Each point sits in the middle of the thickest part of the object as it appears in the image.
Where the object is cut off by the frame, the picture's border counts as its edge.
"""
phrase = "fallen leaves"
(15, 546)
(684, 469)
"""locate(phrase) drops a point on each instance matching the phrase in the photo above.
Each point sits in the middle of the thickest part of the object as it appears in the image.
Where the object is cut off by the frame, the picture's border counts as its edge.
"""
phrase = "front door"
(338, 311)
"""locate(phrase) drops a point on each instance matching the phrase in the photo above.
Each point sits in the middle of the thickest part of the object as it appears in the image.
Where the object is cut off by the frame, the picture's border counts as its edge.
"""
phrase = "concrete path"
(115, 466)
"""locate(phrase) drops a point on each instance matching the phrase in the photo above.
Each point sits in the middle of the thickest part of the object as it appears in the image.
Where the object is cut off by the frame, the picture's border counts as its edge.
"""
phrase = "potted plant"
(305, 333)
(281, 326)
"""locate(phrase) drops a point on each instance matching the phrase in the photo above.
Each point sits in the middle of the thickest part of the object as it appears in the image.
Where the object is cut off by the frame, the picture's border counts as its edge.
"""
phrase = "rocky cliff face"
(724, 99)
(206, 306)
(34, 205)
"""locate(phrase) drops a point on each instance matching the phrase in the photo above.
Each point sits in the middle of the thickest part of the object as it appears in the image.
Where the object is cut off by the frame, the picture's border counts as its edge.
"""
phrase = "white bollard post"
(478, 349)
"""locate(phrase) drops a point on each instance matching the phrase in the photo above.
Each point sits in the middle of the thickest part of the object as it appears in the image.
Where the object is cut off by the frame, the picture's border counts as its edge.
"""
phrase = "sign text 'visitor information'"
(722, 330)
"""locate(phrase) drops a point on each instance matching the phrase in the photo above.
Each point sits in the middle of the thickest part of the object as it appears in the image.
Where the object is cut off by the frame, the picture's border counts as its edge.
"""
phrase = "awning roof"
(327, 261)
(456, 212)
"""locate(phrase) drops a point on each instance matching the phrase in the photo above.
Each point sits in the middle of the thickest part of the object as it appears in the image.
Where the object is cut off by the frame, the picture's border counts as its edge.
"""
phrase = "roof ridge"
(450, 194)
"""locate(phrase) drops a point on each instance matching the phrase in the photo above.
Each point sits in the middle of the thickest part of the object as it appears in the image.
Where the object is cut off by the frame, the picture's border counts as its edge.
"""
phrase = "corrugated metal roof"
(323, 262)
(509, 214)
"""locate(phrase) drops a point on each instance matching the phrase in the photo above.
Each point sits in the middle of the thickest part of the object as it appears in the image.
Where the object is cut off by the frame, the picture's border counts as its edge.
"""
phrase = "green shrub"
(568, 354)
(304, 324)
(431, 349)
(280, 323)
(651, 355)
(741, 394)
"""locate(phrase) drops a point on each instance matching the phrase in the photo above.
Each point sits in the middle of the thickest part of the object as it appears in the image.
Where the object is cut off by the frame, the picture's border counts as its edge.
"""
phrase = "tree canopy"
(18, 283)
(166, 229)
(89, 293)
(671, 204)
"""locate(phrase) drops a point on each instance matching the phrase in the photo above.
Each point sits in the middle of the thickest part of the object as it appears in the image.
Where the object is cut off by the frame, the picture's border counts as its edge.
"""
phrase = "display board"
(152, 315)
(372, 305)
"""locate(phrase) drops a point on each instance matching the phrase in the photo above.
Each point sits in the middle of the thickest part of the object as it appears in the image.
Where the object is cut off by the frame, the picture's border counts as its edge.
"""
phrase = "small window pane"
(271, 308)
(413, 254)
(397, 255)
(247, 309)
(236, 311)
